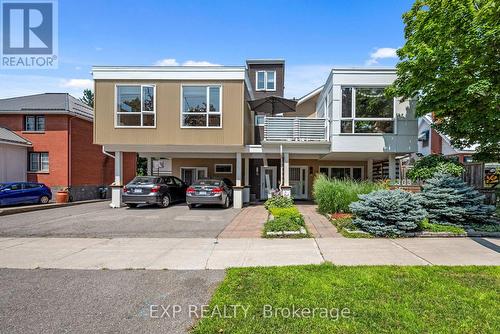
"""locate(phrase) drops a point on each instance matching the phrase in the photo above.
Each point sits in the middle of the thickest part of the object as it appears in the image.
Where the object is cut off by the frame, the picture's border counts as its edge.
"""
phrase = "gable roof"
(310, 95)
(469, 149)
(9, 137)
(47, 103)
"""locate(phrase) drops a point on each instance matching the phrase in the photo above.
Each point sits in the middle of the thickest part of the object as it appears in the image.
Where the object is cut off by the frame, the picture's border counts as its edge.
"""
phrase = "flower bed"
(284, 219)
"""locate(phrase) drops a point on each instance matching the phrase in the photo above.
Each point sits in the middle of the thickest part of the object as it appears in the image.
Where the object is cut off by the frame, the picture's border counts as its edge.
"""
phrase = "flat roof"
(169, 72)
(266, 61)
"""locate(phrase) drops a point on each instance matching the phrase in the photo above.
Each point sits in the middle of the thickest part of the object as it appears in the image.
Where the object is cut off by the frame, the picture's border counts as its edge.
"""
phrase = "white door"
(267, 181)
(298, 181)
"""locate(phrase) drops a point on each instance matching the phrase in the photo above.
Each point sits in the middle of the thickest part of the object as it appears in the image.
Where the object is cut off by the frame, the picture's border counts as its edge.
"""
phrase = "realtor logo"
(29, 34)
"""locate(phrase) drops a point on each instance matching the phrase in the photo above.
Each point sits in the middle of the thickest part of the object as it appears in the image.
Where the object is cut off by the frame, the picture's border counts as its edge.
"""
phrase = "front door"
(192, 174)
(298, 181)
(267, 181)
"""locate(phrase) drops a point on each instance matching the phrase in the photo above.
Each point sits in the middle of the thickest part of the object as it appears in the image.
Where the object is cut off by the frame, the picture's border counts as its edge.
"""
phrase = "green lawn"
(381, 299)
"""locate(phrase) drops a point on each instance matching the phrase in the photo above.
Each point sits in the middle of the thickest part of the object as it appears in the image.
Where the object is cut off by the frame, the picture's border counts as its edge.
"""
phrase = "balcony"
(295, 129)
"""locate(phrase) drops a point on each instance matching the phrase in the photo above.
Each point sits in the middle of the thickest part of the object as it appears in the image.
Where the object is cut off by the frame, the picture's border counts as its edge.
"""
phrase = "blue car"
(24, 192)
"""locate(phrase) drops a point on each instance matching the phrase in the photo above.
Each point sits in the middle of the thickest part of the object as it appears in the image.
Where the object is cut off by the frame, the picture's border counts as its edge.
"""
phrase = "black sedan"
(211, 191)
(160, 190)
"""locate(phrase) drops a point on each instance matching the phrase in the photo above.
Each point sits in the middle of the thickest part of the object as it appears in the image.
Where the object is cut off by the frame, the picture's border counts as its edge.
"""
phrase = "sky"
(312, 36)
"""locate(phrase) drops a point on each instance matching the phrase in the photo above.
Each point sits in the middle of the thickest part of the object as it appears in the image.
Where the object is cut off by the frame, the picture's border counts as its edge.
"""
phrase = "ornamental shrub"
(450, 201)
(334, 195)
(388, 212)
(278, 201)
(428, 166)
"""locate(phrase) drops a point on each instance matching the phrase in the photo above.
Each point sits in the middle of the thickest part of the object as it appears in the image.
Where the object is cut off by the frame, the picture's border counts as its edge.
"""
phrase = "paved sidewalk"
(247, 224)
(208, 253)
(317, 224)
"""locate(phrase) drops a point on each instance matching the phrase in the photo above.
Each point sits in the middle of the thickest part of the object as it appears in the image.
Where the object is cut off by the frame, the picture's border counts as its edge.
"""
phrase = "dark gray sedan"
(160, 190)
(211, 191)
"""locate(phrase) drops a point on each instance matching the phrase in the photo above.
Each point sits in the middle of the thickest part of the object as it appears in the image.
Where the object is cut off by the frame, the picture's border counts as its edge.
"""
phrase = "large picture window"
(38, 162)
(136, 106)
(355, 173)
(201, 107)
(366, 110)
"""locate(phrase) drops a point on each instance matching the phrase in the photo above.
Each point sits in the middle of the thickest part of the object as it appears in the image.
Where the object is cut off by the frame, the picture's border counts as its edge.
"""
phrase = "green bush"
(285, 212)
(428, 166)
(426, 226)
(333, 195)
(388, 212)
(278, 201)
(450, 201)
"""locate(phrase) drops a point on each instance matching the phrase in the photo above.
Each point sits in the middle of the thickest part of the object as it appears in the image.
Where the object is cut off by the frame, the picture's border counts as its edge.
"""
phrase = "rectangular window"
(38, 162)
(34, 123)
(266, 80)
(260, 120)
(355, 173)
(136, 106)
(195, 112)
(366, 110)
(223, 169)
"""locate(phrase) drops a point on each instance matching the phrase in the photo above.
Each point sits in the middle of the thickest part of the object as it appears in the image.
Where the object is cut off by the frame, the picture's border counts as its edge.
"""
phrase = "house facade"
(222, 121)
(60, 153)
(431, 141)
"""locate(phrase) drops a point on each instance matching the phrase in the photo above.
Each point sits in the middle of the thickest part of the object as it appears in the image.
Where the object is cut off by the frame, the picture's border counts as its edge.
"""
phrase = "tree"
(388, 212)
(450, 201)
(88, 98)
(450, 64)
(428, 166)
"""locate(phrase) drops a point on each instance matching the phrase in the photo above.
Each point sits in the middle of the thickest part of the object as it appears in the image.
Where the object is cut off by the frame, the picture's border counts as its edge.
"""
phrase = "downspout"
(69, 151)
(106, 153)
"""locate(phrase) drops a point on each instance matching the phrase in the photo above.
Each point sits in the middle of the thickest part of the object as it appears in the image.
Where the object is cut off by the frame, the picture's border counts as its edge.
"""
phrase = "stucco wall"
(168, 130)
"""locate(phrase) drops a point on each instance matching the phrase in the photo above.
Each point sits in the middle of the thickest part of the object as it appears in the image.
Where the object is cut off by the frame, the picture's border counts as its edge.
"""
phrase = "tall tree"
(88, 98)
(450, 64)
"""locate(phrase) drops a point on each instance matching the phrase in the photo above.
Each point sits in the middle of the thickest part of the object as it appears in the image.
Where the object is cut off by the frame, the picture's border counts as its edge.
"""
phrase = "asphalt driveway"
(98, 220)
(102, 301)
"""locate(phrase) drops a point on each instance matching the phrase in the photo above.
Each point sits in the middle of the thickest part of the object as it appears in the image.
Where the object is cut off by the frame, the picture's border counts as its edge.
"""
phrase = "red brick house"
(62, 154)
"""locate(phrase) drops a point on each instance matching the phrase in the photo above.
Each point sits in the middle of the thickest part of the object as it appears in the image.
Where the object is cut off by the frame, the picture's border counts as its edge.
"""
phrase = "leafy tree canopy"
(450, 64)
(428, 166)
(88, 98)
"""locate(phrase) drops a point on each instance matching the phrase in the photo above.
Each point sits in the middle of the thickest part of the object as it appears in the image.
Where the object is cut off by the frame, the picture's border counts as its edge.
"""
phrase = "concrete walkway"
(207, 253)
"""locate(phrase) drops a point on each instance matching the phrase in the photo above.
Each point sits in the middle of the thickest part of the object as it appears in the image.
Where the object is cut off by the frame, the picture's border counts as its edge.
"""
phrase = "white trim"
(310, 95)
(265, 89)
(205, 169)
(274, 180)
(306, 180)
(351, 167)
(168, 72)
(216, 172)
(207, 113)
(142, 112)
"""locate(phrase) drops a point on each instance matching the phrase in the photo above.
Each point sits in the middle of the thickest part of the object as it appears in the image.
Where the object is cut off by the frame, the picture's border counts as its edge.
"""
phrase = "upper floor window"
(201, 107)
(366, 110)
(266, 80)
(136, 106)
(34, 123)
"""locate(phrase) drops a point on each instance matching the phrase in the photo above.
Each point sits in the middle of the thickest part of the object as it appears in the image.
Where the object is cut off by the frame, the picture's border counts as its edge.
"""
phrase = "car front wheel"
(44, 199)
(132, 205)
(165, 201)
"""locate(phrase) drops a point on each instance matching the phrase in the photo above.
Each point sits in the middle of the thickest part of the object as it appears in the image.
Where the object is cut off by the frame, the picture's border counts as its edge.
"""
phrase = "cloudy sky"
(313, 36)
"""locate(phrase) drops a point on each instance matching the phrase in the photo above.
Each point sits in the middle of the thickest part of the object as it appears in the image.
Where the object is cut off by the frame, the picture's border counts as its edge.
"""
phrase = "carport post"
(392, 168)
(116, 187)
(238, 189)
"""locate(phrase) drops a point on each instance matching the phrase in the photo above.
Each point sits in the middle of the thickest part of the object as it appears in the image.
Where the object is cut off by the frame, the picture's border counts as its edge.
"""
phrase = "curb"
(30, 208)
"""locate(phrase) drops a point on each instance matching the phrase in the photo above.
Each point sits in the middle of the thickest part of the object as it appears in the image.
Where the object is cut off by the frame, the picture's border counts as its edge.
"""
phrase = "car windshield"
(144, 180)
(208, 183)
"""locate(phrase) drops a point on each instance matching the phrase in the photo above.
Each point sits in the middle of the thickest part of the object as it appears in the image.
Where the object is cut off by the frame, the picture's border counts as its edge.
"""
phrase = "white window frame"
(217, 165)
(39, 162)
(256, 123)
(207, 113)
(350, 167)
(265, 81)
(205, 169)
(353, 118)
(142, 112)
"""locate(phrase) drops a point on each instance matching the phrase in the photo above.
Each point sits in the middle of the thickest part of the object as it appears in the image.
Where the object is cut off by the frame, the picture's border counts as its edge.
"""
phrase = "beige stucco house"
(225, 121)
